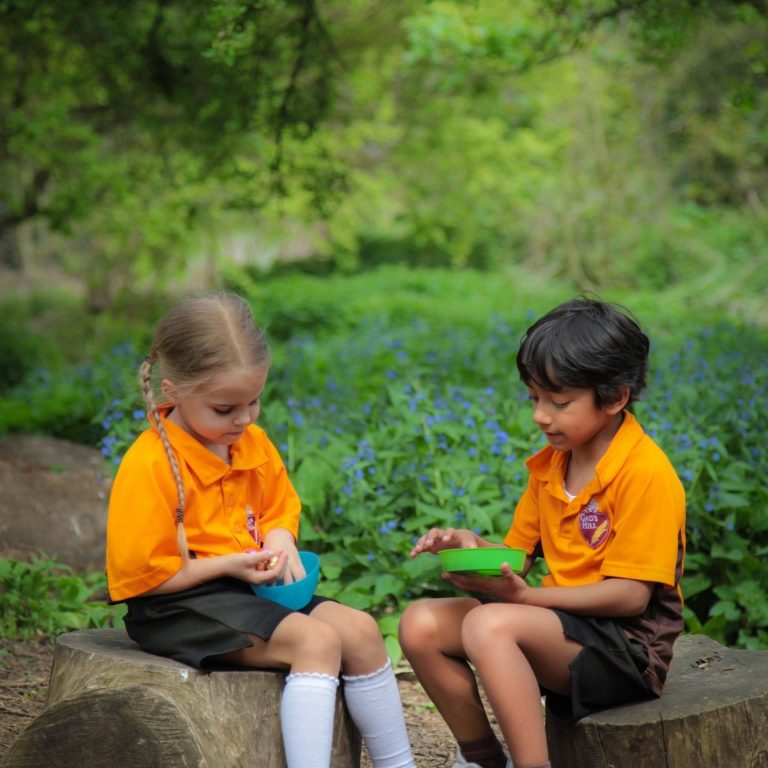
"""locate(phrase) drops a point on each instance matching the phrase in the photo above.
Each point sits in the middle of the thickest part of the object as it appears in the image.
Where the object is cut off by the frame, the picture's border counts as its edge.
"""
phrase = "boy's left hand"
(507, 587)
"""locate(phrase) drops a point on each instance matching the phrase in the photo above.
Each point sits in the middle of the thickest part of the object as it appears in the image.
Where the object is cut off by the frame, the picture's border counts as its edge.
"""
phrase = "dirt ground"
(25, 668)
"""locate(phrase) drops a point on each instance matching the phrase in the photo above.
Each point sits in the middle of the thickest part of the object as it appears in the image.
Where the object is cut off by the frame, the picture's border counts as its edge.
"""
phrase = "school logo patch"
(593, 524)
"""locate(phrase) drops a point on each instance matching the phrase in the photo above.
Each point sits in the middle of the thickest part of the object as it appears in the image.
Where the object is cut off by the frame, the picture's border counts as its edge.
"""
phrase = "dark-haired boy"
(606, 510)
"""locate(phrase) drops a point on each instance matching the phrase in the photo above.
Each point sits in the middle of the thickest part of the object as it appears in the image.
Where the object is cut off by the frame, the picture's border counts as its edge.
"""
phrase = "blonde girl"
(202, 508)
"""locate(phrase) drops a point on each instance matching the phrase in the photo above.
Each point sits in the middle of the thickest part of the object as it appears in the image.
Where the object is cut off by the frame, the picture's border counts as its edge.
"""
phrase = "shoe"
(462, 763)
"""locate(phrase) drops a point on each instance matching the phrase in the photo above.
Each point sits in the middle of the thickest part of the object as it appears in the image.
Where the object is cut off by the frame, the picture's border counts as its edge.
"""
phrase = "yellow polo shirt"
(628, 522)
(142, 550)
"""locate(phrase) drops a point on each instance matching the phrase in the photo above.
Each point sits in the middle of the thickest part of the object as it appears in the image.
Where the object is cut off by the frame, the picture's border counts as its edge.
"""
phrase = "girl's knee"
(323, 641)
(361, 629)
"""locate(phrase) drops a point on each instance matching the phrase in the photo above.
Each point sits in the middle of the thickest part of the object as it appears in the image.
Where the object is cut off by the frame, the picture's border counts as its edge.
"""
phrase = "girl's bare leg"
(312, 651)
(300, 643)
(370, 686)
(514, 648)
(430, 635)
(362, 647)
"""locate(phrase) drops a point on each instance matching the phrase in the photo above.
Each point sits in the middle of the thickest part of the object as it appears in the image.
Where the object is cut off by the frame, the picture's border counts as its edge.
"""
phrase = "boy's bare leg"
(430, 635)
(514, 648)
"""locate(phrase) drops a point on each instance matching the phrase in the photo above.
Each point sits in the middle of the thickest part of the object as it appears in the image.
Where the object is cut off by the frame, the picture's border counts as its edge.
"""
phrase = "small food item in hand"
(272, 561)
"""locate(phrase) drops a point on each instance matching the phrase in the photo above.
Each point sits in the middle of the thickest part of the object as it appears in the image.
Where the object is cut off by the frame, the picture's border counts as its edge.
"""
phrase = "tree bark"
(713, 713)
(110, 705)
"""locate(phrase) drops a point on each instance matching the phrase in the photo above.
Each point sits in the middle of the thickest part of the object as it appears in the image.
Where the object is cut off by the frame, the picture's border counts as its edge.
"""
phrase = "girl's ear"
(617, 407)
(169, 390)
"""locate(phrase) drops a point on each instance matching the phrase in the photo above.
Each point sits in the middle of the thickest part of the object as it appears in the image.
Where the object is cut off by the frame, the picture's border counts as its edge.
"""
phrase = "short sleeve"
(649, 520)
(280, 507)
(142, 548)
(525, 530)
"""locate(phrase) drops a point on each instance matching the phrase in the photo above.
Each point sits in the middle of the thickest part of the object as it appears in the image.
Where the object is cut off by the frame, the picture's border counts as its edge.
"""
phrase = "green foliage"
(582, 139)
(18, 354)
(706, 407)
(396, 406)
(49, 598)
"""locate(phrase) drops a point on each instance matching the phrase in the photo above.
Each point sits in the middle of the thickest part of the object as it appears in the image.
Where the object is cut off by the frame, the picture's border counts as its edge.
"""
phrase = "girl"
(195, 496)
(607, 510)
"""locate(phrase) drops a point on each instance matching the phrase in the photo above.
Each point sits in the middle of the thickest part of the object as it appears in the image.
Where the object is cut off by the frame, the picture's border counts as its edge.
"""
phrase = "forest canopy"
(608, 142)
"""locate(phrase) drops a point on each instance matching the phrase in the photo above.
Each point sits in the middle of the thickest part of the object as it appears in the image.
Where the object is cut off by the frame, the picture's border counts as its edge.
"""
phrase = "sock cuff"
(312, 679)
(381, 672)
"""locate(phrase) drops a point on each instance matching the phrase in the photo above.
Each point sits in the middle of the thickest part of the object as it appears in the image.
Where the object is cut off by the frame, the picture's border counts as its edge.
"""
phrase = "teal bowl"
(483, 561)
(294, 596)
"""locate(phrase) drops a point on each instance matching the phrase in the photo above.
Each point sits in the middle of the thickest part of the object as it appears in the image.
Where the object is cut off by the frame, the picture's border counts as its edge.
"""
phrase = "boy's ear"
(620, 404)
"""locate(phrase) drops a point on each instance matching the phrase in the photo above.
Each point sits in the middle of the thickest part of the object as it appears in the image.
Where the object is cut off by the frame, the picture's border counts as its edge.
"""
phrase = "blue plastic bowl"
(294, 596)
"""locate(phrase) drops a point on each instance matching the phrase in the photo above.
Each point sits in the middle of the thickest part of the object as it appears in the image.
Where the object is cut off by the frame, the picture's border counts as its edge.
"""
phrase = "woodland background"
(398, 188)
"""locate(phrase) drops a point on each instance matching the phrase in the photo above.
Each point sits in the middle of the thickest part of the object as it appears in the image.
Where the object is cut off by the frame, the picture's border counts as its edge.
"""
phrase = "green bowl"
(484, 561)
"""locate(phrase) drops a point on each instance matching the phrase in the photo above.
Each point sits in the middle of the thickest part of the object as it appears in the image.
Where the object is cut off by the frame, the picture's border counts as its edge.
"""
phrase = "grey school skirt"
(607, 672)
(198, 624)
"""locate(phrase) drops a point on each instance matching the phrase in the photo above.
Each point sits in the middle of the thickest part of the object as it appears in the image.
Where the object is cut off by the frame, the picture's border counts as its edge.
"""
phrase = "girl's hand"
(450, 538)
(257, 566)
(508, 587)
(282, 540)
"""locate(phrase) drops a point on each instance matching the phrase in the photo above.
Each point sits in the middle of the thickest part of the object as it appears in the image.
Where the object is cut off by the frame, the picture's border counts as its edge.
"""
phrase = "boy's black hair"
(587, 344)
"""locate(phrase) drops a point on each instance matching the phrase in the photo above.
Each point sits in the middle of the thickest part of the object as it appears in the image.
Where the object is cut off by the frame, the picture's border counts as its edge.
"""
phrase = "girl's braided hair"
(198, 339)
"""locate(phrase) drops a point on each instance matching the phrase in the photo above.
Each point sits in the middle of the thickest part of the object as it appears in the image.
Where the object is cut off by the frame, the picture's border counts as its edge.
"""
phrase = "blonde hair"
(200, 337)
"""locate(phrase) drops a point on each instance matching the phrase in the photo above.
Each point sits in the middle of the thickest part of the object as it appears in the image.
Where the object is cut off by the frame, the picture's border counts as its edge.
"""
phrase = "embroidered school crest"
(593, 524)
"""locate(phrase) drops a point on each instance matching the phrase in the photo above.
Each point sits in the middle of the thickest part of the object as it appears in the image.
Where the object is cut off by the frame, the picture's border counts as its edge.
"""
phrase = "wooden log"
(110, 705)
(713, 714)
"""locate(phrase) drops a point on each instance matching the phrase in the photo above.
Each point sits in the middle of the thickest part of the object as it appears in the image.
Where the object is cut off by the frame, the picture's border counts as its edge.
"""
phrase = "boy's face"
(570, 419)
(218, 415)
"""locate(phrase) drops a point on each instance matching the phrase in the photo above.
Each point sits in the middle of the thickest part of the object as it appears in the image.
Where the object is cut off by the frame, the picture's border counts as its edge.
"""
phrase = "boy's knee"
(483, 626)
(416, 625)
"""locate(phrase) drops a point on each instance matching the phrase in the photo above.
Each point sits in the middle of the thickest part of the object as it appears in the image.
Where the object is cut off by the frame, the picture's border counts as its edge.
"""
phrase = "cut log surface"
(713, 714)
(110, 705)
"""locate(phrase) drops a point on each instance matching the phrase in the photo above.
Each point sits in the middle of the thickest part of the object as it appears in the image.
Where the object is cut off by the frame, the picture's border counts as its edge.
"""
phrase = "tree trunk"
(110, 705)
(713, 713)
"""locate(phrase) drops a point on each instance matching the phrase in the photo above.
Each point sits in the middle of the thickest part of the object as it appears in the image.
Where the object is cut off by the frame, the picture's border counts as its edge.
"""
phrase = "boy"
(606, 510)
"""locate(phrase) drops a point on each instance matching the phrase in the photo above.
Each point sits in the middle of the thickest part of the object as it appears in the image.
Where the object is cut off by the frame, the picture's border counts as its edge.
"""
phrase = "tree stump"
(713, 713)
(110, 705)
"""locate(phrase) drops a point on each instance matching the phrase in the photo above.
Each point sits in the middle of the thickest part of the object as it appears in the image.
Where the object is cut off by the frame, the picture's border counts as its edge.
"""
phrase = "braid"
(145, 380)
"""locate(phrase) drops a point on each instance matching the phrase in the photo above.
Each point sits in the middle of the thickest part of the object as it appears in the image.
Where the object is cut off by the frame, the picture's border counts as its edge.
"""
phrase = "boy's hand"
(450, 538)
(508, 587)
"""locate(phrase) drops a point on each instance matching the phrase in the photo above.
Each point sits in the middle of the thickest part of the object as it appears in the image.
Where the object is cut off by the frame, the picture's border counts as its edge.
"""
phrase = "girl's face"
(218, 414)
(570, 420)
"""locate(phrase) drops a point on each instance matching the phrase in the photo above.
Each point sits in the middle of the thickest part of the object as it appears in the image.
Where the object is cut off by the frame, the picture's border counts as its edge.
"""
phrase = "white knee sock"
(306, 717)
(374, 704)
